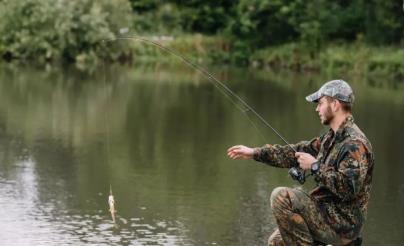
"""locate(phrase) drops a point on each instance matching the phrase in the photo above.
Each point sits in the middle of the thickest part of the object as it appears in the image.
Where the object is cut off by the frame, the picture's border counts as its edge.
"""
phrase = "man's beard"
(327, 116)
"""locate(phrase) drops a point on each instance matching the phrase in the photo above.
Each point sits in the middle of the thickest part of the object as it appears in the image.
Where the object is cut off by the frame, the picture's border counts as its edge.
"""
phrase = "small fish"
(111, 203)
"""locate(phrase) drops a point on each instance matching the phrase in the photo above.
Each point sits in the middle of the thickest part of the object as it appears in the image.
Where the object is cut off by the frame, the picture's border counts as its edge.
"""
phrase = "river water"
(158, 135)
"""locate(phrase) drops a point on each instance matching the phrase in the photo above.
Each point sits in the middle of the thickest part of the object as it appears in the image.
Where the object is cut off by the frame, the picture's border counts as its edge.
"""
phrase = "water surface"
(158, 135)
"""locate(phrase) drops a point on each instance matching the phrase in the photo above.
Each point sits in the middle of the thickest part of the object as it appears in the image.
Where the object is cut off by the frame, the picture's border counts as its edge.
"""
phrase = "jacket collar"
(348, 122)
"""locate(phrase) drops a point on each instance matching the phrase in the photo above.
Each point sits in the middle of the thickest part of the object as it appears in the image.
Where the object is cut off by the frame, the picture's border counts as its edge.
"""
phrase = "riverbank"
(354, 58)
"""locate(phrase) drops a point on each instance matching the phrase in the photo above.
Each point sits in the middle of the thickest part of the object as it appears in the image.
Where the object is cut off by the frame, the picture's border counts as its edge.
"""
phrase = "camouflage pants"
(299, 220)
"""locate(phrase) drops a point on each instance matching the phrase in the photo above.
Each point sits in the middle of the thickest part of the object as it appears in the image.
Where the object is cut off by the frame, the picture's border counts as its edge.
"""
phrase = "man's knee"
(277, 195)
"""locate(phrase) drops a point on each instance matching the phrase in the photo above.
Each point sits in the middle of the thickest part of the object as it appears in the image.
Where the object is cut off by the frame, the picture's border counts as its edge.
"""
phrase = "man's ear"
(336, 105)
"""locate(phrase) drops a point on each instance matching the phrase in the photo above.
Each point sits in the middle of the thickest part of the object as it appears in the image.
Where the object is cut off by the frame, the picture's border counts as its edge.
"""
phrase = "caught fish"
(111, 203)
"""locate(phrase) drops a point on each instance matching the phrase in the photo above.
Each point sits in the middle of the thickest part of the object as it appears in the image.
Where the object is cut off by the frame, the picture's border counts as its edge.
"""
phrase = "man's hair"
(346, 106)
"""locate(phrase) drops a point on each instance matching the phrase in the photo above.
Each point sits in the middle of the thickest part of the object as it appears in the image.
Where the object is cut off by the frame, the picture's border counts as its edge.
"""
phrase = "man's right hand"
(240, 152)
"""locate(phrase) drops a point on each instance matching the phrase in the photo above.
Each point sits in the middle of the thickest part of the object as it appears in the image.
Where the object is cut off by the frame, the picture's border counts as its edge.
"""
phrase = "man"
(341, 161)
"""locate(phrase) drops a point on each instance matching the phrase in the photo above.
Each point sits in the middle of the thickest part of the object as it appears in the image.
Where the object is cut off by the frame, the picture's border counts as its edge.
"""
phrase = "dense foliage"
(49, 29)
(268, 22)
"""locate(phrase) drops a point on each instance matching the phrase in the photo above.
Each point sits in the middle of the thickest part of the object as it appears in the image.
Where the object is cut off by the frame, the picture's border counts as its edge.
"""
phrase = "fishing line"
(106, 116)
(111, 201)
(220, 85)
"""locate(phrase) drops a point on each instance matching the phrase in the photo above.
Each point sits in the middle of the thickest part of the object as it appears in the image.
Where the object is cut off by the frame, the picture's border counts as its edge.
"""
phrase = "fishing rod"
(209, 76)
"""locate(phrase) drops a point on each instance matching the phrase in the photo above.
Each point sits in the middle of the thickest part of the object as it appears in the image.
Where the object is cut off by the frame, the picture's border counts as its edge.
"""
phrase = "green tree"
(205, 16)
(384, 23)
(263, 22)
(73, 30)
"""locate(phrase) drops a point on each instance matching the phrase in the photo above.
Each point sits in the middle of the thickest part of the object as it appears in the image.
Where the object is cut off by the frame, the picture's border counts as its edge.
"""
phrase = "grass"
(196, 48)
(358, 59)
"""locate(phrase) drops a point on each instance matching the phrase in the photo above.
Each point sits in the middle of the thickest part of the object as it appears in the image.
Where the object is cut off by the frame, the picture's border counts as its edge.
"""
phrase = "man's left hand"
(305, 160)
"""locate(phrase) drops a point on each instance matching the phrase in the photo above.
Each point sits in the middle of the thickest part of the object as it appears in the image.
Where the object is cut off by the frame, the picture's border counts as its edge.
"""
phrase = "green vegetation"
(303, 35)
(196, 48)
(359, 59)
(46, 30)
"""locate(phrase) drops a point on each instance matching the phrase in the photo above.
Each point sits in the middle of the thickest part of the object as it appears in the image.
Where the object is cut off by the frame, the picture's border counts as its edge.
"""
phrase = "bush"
(47, 30)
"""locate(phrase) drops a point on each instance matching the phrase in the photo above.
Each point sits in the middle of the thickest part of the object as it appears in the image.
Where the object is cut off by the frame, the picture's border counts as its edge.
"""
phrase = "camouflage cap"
(337, 89)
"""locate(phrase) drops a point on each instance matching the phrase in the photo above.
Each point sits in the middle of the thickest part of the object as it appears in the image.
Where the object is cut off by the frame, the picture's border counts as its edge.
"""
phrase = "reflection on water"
(28, 221)
(159, 135)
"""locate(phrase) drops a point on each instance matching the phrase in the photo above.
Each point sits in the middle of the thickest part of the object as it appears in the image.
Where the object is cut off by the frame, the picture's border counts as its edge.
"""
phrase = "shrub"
(48, 30)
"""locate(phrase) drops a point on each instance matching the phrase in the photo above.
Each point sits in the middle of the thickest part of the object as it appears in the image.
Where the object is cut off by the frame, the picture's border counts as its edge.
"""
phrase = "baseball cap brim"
(314, 97)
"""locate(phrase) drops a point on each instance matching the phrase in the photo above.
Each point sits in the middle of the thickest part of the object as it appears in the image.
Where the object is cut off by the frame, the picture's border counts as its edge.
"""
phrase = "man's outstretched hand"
(240, 152)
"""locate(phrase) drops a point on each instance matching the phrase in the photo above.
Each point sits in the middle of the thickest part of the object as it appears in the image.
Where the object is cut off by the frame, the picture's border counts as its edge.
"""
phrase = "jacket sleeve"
(284, 156)
(347, 179)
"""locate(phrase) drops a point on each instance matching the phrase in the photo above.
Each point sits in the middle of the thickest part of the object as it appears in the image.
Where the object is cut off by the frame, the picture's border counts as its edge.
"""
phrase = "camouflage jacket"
(344, 177)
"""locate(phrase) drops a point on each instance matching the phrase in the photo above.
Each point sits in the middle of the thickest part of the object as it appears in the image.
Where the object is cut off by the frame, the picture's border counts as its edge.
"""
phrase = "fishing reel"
(298, 174)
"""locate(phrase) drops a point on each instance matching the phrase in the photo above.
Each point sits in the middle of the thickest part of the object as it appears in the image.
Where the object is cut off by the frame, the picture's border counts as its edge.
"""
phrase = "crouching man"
(341, 161)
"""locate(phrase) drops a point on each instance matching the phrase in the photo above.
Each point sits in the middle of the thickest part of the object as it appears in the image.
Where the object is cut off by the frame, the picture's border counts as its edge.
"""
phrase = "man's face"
(324, 110)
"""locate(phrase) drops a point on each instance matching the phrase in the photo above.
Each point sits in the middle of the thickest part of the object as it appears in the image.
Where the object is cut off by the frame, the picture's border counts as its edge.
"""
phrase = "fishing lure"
(111, 203)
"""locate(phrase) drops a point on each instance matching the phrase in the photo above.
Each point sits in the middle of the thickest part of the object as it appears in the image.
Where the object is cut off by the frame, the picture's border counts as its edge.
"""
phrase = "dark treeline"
(270, 22)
